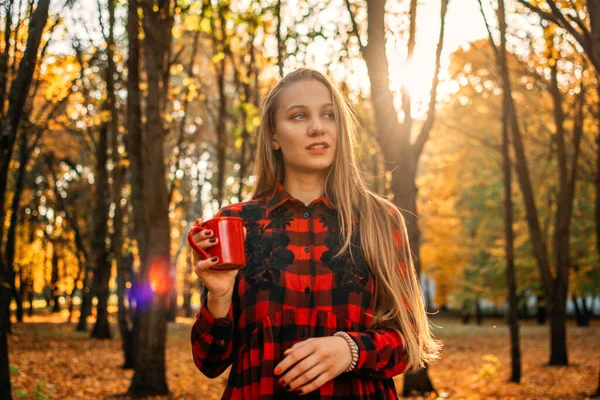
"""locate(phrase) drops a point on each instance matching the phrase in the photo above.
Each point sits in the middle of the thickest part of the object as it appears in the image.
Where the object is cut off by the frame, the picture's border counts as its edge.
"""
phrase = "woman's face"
(305, 128)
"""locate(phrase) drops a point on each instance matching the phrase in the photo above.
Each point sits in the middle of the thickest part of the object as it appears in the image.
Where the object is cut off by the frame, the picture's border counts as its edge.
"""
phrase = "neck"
(305, 188)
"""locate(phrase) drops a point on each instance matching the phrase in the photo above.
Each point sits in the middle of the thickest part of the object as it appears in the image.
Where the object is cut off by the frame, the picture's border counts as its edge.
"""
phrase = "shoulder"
(241, 208)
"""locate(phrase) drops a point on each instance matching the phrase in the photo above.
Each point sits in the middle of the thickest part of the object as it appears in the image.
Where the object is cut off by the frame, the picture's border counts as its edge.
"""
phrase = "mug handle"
(195, 229)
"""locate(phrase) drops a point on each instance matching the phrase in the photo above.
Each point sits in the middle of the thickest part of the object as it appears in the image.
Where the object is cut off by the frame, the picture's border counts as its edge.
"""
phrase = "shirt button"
(307, 249)
(306, 214)
(302, 333)
(307, 290)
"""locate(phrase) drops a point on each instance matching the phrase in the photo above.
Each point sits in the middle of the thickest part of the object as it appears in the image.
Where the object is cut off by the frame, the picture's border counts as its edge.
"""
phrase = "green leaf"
(14, 370)
(20, 394)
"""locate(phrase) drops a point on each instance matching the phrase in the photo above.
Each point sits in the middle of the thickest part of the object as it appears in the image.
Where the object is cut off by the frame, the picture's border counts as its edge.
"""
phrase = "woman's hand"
(310, 364)
(219, 283)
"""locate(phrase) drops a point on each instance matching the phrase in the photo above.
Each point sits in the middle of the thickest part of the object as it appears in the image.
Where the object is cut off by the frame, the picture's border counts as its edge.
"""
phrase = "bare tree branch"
(428, 125)
(487, 27)
(545, 15)
(354, 25)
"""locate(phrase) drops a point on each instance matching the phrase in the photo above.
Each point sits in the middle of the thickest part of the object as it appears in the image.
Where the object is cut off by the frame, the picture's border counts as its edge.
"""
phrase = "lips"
(317, 146)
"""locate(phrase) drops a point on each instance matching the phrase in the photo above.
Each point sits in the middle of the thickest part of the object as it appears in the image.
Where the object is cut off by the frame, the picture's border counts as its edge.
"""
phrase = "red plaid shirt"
(291, 289)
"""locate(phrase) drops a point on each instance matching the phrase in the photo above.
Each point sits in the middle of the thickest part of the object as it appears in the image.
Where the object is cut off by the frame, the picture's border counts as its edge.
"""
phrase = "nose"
(316, 128)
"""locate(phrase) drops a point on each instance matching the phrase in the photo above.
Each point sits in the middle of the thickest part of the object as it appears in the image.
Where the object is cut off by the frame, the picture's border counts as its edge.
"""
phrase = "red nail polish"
(281, 382)
(277, 371)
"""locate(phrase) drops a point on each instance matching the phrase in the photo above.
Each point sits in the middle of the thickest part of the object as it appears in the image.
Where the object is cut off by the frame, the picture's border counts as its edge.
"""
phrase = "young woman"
(329, 305)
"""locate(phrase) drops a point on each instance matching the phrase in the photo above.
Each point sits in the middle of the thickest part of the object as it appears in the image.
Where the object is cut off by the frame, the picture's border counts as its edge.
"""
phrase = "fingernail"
(214, 259)
(212, 240)
(277, 372)
(208, 232)
(287, 387)
(298, 391)
(281, 382)
(285, 353)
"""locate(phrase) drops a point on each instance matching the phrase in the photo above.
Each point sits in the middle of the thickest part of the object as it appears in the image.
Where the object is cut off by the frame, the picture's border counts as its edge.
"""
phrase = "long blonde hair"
(398, 301)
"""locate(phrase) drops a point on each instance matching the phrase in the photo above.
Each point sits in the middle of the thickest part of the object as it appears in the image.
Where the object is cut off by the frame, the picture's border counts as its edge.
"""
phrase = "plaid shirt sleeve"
(212, 340)
(381, 353)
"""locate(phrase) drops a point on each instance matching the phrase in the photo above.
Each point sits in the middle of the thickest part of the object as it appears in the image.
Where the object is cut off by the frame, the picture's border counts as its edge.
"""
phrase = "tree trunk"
(172, 307)
(187, 298)
(465, 312)
(14, 222)
(597, 183)
(86, 299)
(404, 154)
(581, 315)
(219, 45)
(418, 383)
(556, 288)
(8, 132)
(110, 129)
(280, 42)
(124, 262)
(244, 159)
(511, 284)
(30, 297)
(594, 50)
(54, 279)
(71, 295)
(566, 195)
(586, 312)
(5, 389)
(6, 55)
(478, 312)
(542, 311)
(133, 139)
(524, 313)
(102, 265)
(82, 257)
(150, 335)
(18, 95)
(125, 274)
(133, 143)
(598, 389)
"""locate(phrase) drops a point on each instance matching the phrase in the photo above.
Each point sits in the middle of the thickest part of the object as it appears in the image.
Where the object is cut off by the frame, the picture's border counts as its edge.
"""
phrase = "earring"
(275, 146)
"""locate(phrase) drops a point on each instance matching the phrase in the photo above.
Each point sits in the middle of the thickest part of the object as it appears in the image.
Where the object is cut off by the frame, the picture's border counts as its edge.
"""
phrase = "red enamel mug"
(230, 248)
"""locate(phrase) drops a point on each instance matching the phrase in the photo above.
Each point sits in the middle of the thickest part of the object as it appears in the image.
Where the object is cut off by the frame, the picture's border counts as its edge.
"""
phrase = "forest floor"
(49, 360)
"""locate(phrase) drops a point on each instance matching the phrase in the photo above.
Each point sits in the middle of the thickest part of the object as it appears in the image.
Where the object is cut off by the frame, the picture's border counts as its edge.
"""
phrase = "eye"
(299, 117)
(329, 115)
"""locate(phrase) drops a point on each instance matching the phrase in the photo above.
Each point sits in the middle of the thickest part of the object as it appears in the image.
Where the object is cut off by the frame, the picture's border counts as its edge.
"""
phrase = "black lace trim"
(267, 255)
(351, 276)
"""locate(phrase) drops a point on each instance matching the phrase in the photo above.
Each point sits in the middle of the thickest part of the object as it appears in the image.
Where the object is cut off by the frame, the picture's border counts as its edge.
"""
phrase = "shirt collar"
(280, 196)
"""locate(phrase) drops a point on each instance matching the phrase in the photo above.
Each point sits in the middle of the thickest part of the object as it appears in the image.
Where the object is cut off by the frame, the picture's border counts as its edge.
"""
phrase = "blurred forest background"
(123, 121)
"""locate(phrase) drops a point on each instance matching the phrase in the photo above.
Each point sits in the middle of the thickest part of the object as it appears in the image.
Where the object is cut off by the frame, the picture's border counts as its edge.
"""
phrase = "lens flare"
(159, 276)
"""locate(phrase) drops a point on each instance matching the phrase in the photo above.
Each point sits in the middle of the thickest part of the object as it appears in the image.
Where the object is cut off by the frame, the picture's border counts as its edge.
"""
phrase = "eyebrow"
(303, 106)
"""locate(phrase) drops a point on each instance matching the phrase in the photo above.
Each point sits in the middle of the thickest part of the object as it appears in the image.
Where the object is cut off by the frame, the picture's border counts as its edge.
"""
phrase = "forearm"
(218, 306)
